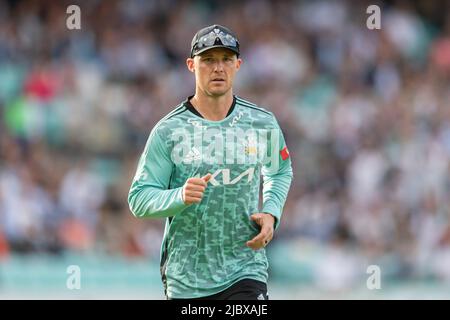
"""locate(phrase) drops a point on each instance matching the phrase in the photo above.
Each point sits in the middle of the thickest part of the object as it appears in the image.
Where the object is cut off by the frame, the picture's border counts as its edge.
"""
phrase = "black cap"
(215, 36)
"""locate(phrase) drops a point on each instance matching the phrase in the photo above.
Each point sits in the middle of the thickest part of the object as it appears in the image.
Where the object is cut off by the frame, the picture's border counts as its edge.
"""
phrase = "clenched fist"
(194, 188)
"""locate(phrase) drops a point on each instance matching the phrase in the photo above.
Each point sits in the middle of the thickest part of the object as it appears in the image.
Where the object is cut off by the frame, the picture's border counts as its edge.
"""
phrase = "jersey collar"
(187, 103)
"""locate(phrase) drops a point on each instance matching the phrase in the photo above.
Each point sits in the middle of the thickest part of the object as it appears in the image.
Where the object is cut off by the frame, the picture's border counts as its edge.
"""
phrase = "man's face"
(214, 70)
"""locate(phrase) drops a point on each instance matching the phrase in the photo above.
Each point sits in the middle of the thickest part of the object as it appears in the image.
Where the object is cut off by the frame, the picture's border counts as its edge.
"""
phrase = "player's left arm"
(277, 177)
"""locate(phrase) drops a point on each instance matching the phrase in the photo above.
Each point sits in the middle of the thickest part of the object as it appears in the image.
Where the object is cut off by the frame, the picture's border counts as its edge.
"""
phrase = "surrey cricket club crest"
(250, 146)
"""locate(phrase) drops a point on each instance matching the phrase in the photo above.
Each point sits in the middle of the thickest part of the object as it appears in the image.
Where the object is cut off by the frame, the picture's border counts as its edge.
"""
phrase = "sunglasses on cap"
(215, 38)
(210, 39)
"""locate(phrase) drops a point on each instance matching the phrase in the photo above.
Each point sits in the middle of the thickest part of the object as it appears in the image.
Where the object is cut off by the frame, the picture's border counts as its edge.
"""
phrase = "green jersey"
(204, 247)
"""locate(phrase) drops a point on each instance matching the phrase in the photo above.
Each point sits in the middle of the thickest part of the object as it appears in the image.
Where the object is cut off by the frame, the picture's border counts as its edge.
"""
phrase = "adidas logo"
(193, 155)
(261, 297)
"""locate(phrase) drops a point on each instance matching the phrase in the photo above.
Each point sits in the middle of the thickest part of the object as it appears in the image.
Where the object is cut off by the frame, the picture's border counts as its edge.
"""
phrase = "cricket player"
(201, 170)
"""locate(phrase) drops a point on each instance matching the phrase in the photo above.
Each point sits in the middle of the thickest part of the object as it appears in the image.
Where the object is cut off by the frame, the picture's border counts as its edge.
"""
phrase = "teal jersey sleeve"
(277, 180)
(149, 195)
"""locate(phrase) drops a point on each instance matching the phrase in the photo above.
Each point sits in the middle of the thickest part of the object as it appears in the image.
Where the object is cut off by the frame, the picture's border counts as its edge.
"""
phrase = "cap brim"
(217, 46)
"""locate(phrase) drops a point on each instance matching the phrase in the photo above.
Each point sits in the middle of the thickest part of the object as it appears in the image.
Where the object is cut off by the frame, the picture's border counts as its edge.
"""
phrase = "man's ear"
(190, 64)
(238, 63)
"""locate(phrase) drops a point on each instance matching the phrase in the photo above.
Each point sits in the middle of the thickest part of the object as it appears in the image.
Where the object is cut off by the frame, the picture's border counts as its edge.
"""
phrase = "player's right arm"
(149, 195)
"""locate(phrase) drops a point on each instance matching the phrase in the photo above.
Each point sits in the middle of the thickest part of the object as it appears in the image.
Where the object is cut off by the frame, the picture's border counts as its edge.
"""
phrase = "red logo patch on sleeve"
(284, 153)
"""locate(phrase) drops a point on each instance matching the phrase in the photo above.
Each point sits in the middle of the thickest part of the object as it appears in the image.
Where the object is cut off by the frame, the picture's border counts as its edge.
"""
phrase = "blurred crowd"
(366, 116)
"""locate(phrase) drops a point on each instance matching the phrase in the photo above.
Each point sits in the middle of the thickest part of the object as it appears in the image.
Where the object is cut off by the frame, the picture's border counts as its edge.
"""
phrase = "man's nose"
(218, 66)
